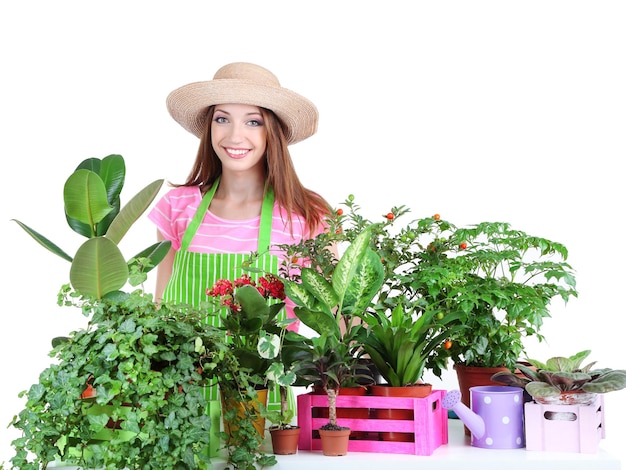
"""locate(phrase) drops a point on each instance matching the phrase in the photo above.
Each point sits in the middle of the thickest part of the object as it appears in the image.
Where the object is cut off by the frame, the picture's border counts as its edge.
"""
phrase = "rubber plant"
(93, 210)
(126, 391)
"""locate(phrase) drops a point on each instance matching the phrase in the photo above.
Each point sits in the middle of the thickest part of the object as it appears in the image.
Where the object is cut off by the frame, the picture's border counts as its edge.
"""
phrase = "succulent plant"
(563, 374)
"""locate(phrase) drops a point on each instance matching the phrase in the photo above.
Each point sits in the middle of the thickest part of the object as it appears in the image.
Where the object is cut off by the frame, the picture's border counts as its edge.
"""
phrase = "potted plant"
(249, 315)
(144, 363)
(147, 364)
(284, 433)
(497, 280)
(564, 380)
(329, 302)
(494, 284)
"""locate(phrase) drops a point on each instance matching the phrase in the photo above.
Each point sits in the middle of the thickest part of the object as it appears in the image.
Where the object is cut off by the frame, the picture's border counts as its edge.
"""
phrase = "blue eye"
(221, 119)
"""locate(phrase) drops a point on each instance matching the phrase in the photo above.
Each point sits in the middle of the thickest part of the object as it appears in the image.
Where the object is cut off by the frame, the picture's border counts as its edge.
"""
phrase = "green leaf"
(608, 382)
(321, 322)
(540, 389)
(299, 295)
(269, 345)
(253, 304)
(319, 288)
(98, 268)
(113, 172)
(348, 264)
(369, 277)
(133, 210)
(85, 199)
(43, 241)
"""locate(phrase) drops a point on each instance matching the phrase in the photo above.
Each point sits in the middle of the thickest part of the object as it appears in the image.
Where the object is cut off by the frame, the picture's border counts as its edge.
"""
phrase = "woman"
(243, 194)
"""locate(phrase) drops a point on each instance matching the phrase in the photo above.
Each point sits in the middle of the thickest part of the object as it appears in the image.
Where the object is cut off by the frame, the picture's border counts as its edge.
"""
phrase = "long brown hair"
(280, 172)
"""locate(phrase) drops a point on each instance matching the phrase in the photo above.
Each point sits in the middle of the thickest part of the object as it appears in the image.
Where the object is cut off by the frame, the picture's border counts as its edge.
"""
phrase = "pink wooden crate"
(564, 428)
(429, 426)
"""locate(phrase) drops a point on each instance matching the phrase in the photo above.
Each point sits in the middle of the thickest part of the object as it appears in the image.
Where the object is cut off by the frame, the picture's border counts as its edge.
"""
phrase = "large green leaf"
(320, 288)
(348, 264)
(609, 381)
(43, 241)
(91, 164)
(321, 322)
(369, 277)
(299, 295)
(98, 268)
(253, 304)
(113, 172)
(133, 210)
(85, 198)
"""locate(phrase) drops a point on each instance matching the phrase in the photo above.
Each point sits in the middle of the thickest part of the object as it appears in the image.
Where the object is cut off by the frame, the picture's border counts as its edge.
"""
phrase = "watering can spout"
(452, 401)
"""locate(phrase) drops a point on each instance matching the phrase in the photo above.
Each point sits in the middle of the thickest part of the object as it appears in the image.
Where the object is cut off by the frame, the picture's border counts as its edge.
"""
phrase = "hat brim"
(188, 105)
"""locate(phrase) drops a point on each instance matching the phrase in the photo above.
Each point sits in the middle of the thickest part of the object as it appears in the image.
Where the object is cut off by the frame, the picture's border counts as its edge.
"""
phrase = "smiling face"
(239, 136)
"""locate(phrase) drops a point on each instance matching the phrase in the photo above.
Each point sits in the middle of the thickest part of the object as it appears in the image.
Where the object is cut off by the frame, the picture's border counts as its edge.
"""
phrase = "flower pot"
(335, 442)
(89, 392)
(572, 397)
(414, 391)
(350, 413)
(252, 406)
(285, 441)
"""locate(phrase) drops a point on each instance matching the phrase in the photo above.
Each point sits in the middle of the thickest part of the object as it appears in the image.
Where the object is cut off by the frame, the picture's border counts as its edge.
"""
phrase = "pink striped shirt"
(174, 211)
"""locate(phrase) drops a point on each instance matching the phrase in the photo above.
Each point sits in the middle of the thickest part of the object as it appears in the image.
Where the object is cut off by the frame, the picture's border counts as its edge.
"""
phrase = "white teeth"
(237, 152)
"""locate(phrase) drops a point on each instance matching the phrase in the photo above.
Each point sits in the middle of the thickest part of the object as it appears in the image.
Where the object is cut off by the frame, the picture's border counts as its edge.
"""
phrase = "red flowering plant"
(249, 314)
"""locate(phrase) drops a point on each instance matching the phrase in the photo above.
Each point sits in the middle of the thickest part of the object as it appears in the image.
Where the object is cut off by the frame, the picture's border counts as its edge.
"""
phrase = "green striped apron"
(193, 273)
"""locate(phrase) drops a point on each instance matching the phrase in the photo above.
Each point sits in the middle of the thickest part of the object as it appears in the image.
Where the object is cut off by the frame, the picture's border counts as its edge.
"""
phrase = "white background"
(477, 110)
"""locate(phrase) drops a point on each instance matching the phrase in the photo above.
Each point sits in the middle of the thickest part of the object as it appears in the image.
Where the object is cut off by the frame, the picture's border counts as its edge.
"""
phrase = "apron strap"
(192, 228)
(265, 229)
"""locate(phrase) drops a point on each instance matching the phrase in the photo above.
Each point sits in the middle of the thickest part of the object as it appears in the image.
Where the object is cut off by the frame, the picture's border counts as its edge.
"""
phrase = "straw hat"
(243, 83)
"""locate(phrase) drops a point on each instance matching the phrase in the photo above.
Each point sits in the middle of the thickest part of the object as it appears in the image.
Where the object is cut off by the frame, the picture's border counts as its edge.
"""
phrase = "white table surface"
(458, 453)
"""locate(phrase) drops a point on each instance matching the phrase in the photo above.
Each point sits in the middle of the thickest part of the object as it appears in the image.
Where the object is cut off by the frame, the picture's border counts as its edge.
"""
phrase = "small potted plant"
(564, 380)
(284, 433)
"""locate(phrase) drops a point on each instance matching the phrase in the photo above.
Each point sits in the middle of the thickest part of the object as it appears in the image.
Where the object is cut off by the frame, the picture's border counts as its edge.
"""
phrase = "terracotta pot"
(334, 442)
(253, 406)
(89, 392)
(352, 413)
(414, 391)
(285, 441)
